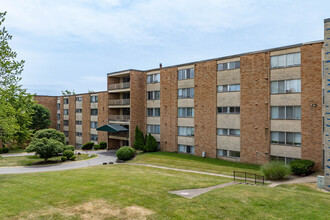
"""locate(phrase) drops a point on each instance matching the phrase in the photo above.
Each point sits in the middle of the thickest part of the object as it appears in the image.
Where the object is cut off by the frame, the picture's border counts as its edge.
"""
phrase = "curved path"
(103, 156)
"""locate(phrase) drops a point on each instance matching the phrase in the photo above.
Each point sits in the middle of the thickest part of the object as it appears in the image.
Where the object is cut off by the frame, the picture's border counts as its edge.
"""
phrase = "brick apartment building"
(251, 107)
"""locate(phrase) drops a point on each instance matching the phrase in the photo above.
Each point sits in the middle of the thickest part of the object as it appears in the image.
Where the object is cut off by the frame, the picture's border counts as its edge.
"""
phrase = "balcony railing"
(119, 102)
(125, 85)
(122, 118)
(120, 134)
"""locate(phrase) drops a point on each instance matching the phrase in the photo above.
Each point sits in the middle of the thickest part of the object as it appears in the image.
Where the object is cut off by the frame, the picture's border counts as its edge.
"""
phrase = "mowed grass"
(190, 162)
(134, 192)
(33, 160)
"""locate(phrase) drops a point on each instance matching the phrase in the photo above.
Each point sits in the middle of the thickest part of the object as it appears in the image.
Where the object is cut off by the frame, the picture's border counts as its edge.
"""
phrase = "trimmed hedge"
(125, 153)
(88, 146)
(302, 167)
(73, 157)
(64, 158)
(68, 147)
(103, 145)
(4, 150)
(96, 147)
(275, 170)
(68, 153)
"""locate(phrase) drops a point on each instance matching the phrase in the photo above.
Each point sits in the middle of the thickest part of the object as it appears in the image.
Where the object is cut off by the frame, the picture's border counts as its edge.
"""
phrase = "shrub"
(68, 153)
(275, 170)
(125, 153)
(73, 157)
(45, 147)
(5, 150)
(139, 139)
(68, 147)
(302, 167)
(64, 158)
(1, 150)
(103, 145)
(88, 146)
(96, 147)
(50, 134)
(151, 144)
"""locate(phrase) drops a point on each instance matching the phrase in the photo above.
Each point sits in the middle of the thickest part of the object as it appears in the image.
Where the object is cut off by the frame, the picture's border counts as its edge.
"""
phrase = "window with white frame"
(65, 111)
(286, 86)
(65, 101)
(78, 122)
(94, 111)
(153, 112)
(229, 110)
(94, 137)
(154, 78)
(58, 116)
(186, 149)
(286, 138)
(186, 74)
(228, 153)
(228, 132)
(286, 112)
(186, 112)
(66, 133)
(229, 65)
(65, 122)
(94, 98)
(78, 134)
(285, 60)
(285, 160)
(229, 88)
(78, 98)
(153, 129)
(153, 95)
(187, 93)
(58, 106)
(78, 110)
(186, 131)
(93, 124)
(58, 127)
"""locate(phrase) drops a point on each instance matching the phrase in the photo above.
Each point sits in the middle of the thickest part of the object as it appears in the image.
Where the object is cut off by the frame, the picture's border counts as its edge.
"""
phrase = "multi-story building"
(251, 107)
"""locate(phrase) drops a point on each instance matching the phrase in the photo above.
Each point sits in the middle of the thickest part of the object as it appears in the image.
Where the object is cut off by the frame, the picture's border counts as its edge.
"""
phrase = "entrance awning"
(112, 128)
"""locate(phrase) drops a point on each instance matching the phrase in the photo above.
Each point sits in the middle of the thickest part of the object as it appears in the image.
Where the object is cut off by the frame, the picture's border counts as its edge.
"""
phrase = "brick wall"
(311, 93)
(50, 102)
(169, 109)
(86, 118)
(205, 108)
(102, 115)
(61, 113)
(255, 119)
(72, 120)
(138, 82)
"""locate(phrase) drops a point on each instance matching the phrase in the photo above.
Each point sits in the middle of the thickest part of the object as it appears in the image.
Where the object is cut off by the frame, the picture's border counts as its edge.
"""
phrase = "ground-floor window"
(285, 160)
(94, 137)
(228, 153)
(186, 149)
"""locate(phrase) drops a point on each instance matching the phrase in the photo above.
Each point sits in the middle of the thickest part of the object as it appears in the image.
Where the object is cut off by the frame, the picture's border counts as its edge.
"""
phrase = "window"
(154, 78)
(285, 160)
(228, 153)
(286, 138)
(186, 149)
(65, 101)
(285, 60)
(94, 111)
(187, 93)
(186, 74)
(153, 112)
(78, 110)
(78, 98)
(94, 137)
(93, 124)
(186, 131)
(229, 110)
(286, 86)
(65, 122)
(58, 106)
(153, 95)
(58, 127)
(66, 111)
(229, 132)
(285, 112)
(229, 88)
(66, 133)
(229, 66)
(153, 129)
(94, 98)
(186, 112)
(58, 116)
(78, 122)
(78, 134)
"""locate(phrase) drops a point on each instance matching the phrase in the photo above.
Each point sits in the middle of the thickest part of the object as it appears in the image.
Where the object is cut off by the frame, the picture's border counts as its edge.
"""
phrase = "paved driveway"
(103, 156)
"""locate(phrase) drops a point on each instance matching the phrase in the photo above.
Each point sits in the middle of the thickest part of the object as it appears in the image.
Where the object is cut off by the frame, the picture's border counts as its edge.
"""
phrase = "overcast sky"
(73, 44)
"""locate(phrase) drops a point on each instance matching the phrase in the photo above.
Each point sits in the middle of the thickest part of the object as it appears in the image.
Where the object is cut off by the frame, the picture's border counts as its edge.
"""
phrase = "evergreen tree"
(151, 144)
(138, 142)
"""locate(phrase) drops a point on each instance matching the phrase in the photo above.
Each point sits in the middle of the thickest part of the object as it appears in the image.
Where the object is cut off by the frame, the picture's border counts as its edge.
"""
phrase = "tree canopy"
(40, 117)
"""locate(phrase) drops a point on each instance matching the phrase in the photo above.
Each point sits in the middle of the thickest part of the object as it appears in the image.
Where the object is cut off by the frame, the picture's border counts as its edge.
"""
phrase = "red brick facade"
(50, 103)
(72, 120)
(102, 116)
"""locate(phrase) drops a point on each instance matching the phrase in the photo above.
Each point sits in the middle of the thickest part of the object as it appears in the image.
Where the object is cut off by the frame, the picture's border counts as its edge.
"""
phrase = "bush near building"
(96, 147)
(69, 147)
(302, 167)
(125, 153)
(45, 148)
(139, 139)
(4, 150)
(103, 145)
(151, 144)
(88, 146)
(275, 170)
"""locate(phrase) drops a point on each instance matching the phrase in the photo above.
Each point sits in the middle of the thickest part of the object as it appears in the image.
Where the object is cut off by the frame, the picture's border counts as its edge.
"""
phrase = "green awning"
(112, 128)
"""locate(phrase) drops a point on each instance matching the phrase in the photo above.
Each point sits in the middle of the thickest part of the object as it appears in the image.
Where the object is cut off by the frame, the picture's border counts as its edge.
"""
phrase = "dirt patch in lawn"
(97, 209)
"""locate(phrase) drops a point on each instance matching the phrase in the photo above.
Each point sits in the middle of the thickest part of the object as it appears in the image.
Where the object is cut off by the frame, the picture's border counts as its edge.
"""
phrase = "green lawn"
(190, 162)
(33, 160)
(16, 150)
(133, 192)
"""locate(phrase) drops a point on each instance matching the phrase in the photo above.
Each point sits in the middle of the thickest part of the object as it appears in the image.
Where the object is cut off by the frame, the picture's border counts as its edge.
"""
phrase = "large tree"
(40, 118)
(15, 103)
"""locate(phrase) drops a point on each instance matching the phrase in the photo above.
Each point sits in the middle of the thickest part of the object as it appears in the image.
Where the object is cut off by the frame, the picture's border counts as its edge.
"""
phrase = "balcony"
(119, 136)
(119, 118)
(119, 102)
(116, 86)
